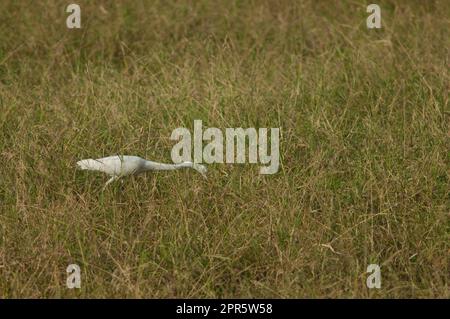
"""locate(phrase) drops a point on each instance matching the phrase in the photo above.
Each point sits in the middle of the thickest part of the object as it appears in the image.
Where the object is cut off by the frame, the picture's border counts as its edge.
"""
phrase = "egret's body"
(123, 165)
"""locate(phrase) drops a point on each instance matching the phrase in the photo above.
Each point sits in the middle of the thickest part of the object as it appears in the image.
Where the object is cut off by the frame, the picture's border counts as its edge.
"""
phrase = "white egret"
(118, 166)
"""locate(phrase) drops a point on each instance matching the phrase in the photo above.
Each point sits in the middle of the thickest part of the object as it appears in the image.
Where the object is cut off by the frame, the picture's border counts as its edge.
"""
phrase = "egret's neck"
(154, 166)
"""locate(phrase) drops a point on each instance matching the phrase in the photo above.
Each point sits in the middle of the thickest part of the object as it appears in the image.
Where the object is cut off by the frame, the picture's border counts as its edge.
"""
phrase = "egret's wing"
(110, 165)
(90, 164)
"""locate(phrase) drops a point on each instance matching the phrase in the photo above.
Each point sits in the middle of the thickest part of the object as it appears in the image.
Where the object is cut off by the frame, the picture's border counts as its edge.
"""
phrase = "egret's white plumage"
(123, 165)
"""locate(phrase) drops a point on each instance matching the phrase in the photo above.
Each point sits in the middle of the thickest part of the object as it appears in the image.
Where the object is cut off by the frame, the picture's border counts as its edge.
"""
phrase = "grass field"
(364, 146)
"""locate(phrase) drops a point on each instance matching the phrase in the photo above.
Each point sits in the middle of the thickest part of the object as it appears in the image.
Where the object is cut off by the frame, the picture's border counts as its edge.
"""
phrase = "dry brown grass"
(365, 163)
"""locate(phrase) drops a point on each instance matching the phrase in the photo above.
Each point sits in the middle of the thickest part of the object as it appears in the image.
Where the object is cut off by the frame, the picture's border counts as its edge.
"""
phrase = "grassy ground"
(364, 174)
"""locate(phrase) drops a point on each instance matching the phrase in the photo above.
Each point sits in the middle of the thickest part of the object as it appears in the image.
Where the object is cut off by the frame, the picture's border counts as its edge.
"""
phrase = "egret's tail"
(89, 164)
